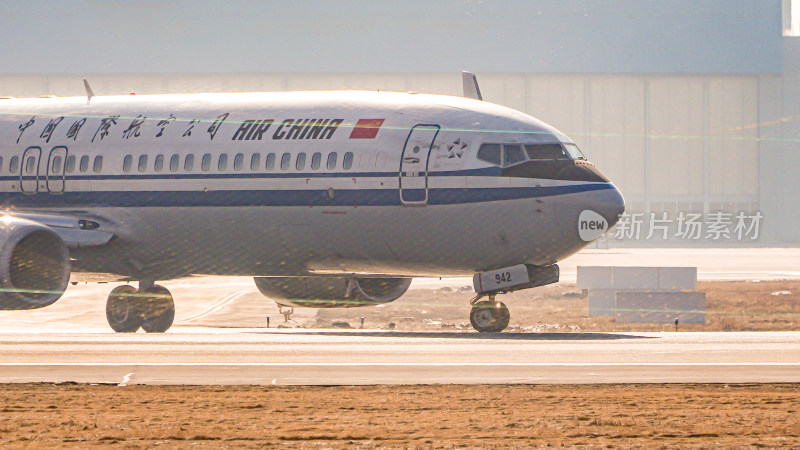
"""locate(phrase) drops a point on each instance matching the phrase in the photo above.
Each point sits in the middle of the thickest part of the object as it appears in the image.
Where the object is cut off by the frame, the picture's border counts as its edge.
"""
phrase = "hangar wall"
(672, 143)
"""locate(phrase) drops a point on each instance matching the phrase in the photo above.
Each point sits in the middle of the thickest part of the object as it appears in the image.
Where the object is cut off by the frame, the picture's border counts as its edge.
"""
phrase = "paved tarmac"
(70, 340)
(195, 355)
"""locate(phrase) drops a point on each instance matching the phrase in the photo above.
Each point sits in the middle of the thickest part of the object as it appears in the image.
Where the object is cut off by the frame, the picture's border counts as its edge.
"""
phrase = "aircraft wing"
(73, 228)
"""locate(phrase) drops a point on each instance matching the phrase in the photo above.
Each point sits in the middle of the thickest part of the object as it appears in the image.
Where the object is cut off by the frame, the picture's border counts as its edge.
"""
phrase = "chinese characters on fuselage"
(246, 130)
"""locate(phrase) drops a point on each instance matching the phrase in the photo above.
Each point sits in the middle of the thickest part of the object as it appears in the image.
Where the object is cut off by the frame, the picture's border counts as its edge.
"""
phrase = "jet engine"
(34, 264)
(332, 292)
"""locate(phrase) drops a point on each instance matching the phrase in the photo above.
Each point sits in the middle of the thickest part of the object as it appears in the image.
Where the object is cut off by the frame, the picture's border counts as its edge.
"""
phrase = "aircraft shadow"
(480, 336)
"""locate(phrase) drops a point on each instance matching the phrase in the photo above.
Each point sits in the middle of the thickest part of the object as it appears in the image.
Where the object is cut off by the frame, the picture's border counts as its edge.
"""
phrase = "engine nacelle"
(332, 292)
(34, 264)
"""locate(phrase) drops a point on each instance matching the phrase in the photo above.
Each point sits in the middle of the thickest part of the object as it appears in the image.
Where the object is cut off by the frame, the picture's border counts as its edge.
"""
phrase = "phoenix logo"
(456, 149)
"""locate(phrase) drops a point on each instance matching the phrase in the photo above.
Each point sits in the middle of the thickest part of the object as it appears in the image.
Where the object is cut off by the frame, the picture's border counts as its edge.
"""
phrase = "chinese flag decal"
(366, 128)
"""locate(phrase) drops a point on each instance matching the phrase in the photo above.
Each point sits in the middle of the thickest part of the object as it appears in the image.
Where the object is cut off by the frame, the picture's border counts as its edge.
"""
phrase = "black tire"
(157, 309)
(504, 316)
(489, 317)
(121, 311)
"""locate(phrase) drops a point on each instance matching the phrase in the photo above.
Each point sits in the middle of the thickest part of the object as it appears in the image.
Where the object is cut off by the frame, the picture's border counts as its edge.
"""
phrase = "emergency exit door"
(38, 174)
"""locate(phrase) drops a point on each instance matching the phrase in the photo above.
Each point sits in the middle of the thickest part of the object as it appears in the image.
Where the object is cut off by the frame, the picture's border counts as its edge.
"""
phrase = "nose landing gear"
(489, 316)
(493, 316)
(151, 308)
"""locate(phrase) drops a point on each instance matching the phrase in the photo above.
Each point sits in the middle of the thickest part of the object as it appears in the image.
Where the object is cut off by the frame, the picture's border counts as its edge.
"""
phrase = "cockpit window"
(574, 151)
(546, 151)
(512, 154)
(506, 155)
(490, 153)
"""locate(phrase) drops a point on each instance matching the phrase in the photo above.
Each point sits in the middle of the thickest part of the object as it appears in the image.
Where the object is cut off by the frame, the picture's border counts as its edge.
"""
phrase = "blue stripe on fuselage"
(232, 198)
(485, 172)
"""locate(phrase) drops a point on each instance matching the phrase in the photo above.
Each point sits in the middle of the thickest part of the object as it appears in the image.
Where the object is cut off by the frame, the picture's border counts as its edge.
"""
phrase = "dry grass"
(732, 306)
(41, 415)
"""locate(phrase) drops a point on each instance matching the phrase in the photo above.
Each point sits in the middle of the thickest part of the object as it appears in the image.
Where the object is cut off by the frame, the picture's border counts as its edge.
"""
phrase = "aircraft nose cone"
(590, 214)
(612, 207)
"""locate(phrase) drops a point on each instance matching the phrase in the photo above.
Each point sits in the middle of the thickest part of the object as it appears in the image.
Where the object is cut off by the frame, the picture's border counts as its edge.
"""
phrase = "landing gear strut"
(150, 308)
(489, 316)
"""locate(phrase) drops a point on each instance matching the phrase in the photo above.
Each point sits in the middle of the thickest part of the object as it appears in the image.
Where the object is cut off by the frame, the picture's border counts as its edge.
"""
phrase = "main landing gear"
(489, 316)
(149, 307)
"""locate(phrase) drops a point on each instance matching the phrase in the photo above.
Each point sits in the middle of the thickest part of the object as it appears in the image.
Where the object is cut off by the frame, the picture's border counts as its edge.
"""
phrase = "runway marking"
(215, 307)
(125, 380)
(409, 364)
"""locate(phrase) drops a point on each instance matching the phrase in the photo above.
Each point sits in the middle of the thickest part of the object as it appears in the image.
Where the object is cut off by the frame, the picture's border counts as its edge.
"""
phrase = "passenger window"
(512, 154)
(55, 168)
(347, 162)
(380, 160)
(271, 161)
(188, 163)
(84, 165)
(222, 164)
(174, 161)
(159, 164)
(205, 164)
(238, 160)
(331, 161)
(365, 161)
(285, 161)
(490, 153)
(97, 167)
(15, 164)
(255, 161)
(126, 163)
(70, 166)
(545, 151)
(300, 164)
(30, 164)
(316, 158)
(142, 163)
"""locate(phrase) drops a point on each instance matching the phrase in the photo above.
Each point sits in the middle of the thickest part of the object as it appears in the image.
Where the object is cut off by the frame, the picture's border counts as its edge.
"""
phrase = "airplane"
(327, 199)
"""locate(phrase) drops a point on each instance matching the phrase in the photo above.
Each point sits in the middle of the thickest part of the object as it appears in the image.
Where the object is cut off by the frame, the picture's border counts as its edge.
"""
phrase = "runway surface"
(194, 355)
(71, 341)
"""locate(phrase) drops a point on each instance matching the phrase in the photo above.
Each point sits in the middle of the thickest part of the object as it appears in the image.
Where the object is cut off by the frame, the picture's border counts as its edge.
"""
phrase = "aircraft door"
(414, 164)
(56, 165)
(29, 170)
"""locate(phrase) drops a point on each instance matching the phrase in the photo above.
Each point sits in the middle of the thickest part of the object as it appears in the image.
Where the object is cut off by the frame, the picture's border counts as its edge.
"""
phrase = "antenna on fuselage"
(89, 91)
(471, 89)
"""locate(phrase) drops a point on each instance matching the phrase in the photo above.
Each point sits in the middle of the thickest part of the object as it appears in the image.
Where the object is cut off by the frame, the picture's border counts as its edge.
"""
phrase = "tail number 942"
(501, 278)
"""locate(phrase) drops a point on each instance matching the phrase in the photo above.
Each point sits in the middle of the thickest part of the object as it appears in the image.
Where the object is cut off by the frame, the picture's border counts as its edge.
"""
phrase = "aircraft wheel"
(489, 317)
(121, 311)
(157, 309)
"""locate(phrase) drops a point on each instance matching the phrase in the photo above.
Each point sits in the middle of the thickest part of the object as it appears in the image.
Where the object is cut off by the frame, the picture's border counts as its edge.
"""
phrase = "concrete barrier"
(605, 282)
(595, 277)
(602, 302)
(660, 307)
(618, 277)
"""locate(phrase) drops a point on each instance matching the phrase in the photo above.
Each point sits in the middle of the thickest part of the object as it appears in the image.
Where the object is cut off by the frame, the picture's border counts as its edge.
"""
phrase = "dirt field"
(439, 416)
(731, 306)
(613, 416)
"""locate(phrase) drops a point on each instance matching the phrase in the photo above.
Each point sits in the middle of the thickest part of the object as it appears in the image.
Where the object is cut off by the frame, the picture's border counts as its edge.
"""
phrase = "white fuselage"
(290, 184)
